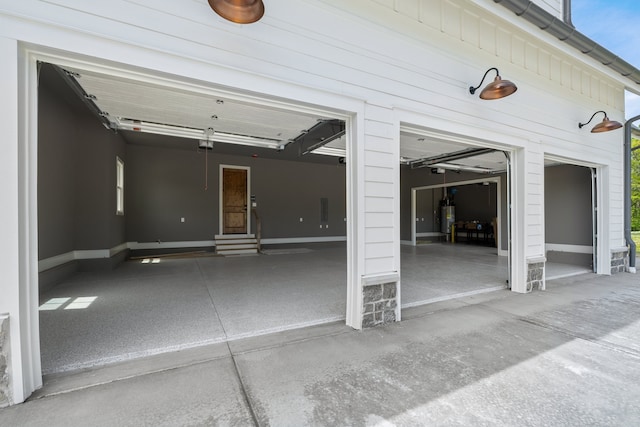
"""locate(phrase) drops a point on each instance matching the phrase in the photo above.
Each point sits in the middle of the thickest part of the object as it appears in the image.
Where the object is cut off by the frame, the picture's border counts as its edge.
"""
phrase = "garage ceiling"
(154, 114)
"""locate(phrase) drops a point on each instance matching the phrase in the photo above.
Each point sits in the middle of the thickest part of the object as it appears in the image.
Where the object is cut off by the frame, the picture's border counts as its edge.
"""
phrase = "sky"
(613, 24)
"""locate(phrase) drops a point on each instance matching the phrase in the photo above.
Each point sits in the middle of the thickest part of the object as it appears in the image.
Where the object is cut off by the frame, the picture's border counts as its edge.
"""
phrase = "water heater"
(447, 218)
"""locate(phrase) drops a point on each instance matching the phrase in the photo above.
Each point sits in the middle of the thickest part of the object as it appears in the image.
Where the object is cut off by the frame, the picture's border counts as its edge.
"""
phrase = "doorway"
(234, 199)
(570, 205)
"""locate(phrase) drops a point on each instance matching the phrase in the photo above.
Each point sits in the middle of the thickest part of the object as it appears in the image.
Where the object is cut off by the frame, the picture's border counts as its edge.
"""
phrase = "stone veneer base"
(379, 304)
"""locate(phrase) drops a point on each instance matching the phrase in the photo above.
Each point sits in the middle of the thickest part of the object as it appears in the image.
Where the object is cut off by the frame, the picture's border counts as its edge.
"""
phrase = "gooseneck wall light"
(238, 11)
(604, 126)
(497, 89)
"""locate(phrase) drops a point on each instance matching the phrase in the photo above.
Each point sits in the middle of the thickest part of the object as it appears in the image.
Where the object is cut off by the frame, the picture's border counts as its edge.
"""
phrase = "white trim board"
(57, 260)
(286, 240)
(171, 245)
(578, 249)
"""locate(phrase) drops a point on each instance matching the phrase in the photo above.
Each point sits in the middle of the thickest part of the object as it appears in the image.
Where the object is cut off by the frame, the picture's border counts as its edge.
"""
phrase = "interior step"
(236, 244)
(228, 247)
(234, 236)
(237, 251)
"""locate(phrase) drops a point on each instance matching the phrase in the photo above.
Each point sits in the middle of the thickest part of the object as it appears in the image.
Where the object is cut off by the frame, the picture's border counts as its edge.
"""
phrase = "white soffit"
(129, 99)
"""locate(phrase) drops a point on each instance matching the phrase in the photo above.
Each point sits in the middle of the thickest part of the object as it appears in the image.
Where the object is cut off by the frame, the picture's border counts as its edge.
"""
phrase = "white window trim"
(119, 186)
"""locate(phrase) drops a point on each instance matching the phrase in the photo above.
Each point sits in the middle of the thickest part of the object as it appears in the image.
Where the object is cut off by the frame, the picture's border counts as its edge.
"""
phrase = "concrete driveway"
(566, 356)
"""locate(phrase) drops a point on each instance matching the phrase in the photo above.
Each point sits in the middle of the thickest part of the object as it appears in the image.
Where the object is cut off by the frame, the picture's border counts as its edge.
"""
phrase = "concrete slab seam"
(288, 343)
(604, 344)
(128, 377)
(243, 390)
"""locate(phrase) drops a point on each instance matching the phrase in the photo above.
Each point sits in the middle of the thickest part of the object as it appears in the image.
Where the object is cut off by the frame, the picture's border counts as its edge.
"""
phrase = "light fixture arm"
(472, 89)
(581, 125)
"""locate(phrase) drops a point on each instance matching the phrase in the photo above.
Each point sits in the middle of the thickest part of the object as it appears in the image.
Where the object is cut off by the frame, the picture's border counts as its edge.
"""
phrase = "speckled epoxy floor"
(143, 309)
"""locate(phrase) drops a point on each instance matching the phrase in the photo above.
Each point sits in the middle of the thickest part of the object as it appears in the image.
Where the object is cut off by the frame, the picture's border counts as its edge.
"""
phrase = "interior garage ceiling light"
(330, 151)
(238, 11)
(199, 134)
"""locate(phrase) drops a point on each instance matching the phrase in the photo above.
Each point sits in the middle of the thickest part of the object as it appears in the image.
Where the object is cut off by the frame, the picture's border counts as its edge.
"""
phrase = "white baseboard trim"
(287, 240)
(429, 234)
(55, 261)
(117, 249)
(578, 249)
(172, 245)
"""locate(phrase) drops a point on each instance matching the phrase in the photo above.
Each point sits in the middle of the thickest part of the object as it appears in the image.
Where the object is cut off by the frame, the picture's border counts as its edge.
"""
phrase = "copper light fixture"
(495, 90)
(604, 126)
(238, 11)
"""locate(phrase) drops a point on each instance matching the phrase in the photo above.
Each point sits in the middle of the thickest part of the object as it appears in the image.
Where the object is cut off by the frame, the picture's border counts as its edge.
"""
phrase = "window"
(119, 186)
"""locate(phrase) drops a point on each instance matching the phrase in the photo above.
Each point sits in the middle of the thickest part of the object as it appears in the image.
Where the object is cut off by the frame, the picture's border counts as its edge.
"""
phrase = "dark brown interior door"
(234, 197)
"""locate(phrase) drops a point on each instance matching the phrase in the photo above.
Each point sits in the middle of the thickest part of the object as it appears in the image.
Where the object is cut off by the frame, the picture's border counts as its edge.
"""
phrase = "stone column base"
(619, 260)
(535, 275)
(5, 390)
(379, 304)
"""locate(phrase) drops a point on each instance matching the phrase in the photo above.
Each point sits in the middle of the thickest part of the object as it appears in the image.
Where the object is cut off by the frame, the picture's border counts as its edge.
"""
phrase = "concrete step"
(234, 236)
(236, 242)
(237, 251)
(228, 247)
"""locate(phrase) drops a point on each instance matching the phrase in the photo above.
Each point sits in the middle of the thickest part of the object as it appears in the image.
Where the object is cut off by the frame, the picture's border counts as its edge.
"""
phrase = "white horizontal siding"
(381, 190)
(534, 213)
(434, 51)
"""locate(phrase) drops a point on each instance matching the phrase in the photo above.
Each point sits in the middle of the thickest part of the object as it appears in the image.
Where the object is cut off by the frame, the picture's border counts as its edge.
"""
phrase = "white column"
(375, 196)
(18, 236)
(518, 190)
(9, 234)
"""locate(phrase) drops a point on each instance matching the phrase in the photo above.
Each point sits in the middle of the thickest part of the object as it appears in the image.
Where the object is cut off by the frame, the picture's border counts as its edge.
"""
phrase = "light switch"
(182, 219)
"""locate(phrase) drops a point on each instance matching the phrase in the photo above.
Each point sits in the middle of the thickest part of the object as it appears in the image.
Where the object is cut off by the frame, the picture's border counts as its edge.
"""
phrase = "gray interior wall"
(56, 176)
(166, 184)
(76, 179)
(476, 202)
(97, 224)
(567, 205)
(427, 202)
(411, 178)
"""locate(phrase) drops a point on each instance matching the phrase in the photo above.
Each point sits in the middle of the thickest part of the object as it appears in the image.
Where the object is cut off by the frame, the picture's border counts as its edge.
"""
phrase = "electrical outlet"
(182, 219)
(300, 219)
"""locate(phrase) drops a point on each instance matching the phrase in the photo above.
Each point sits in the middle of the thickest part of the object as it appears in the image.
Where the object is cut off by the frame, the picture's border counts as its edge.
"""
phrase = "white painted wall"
(382, 62)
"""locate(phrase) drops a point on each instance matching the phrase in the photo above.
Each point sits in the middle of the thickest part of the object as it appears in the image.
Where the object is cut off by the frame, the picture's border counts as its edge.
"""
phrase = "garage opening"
(454, 226)
(570, 219)
(174, 216)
